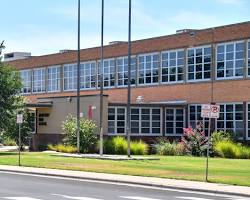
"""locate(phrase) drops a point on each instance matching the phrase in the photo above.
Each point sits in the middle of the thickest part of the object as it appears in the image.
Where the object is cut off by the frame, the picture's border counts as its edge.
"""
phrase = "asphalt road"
(26, 187)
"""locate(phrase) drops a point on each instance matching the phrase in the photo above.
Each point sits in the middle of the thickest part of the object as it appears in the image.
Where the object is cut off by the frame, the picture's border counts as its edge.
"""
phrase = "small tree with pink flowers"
(194, 141)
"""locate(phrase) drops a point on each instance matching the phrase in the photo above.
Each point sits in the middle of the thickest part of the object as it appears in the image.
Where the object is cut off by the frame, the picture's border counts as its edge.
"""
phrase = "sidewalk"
(146, 181)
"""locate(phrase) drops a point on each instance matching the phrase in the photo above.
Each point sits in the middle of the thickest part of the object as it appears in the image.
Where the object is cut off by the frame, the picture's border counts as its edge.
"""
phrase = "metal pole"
(78, 81)
(19, 149)
(208, 147)
(101, 83)
(129, 81)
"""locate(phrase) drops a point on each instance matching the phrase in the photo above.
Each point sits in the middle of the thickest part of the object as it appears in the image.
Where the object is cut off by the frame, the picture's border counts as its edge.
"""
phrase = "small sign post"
(209, 111)
(19, 121)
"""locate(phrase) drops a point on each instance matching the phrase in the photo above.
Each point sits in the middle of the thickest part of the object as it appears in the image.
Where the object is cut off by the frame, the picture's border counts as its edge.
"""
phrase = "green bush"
(88, 138)
(9, 142)
(120, 145)
(164, 147)
(139, 148)
(62, 148)
(221, 135)
(229, 149)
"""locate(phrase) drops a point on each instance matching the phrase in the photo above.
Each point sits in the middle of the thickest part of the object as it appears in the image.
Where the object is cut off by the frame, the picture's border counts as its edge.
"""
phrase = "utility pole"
(129, 81)
(101, 83)
(78, 80)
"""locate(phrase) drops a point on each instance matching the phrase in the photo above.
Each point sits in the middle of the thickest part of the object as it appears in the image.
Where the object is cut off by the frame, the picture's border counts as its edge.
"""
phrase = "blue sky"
(46, 26)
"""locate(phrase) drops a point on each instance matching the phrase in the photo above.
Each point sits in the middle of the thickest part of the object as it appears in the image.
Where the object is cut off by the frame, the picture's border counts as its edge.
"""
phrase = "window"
(248, 121)
(248, 55)
(54, 78)
(144, 121)
(148, 69)
(230, 60)
(108, 73)
(88, 75)
(199, 64)
(231, 118)
(70, 77)
(26, 81)
(32, 120)
(174, 122)
(116, 120)
(39, 80)
(195, 117)
(122, 70)
(172, 63)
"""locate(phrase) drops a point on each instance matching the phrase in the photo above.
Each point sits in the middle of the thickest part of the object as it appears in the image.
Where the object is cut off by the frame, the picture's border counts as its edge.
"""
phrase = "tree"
(10, 99)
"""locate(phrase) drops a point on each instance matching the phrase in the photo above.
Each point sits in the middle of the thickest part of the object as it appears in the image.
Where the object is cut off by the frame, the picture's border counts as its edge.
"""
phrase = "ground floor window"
(144, 121)
(174, 122)
(231, 118)
(32, 120)
(248, 121)
(195, 117)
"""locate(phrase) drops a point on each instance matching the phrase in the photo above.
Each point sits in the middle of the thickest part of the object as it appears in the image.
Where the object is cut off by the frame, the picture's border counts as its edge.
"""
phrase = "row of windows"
(167, 67)
(149, 121)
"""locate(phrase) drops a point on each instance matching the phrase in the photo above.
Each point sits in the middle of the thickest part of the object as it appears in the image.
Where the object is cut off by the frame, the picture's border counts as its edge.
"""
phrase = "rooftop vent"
(16, 56)
(65, 50)
(186, 31)
(116, 42)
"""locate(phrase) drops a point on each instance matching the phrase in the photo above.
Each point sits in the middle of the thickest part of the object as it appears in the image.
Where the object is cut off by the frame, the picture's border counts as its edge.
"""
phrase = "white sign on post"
(210, 111)
(19, 119)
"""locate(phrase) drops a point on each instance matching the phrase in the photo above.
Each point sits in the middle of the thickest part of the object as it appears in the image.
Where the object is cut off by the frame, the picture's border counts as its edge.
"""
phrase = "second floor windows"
(248, 56)
(199, 64)
(88, 75)
(38, 80)
(172, 63)
(54, 74)
(230, 60)
(148, 69)
(26, 80)
(70, 77)
(108, 73)
(122, 71)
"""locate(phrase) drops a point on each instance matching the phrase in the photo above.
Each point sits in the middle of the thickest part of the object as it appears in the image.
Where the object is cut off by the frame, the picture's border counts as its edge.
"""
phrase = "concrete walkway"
(147, 181)
(8, 148)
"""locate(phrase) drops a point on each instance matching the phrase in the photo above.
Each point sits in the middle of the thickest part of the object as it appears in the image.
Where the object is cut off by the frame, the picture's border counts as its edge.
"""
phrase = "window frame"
(234, 114)
(176, 66)
(248, 58)
(57, 79)
(30, 81)
(90, 75)
(216, 65)
(138, 69)
(247, 121)
(67, 90)
(115, 121)
(43, 81)
(187, 65)
(174, 128)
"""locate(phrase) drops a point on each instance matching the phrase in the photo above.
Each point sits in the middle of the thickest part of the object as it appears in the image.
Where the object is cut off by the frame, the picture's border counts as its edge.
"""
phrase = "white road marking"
(76, 198)
(20, 198)
(192, 198)
(137, 198)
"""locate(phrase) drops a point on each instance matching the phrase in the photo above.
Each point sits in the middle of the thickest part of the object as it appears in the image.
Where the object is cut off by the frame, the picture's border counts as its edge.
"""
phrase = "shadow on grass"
(8, 153)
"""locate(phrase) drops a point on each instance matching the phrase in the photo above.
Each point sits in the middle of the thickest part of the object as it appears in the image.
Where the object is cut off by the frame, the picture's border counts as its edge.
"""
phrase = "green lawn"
(230, 171)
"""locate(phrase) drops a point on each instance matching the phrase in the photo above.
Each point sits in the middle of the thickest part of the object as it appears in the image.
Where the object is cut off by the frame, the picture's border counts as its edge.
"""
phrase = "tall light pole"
(78, 80)
(129, 80)
(101, 83)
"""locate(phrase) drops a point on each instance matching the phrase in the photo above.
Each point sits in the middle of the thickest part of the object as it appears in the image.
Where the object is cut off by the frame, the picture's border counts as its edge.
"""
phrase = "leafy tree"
(88, 137)
(10, 100)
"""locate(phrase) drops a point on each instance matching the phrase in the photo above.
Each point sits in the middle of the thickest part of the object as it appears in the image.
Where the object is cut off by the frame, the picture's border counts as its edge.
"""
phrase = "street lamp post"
(129, 81)
(78, 81)
(101, 83)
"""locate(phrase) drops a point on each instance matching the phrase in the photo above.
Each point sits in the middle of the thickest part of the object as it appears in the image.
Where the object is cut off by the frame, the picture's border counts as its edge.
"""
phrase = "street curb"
(127, 182)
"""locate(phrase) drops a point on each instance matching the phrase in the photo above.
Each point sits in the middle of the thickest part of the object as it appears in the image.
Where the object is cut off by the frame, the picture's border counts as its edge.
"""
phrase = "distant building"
(16, 56)
(171, 77)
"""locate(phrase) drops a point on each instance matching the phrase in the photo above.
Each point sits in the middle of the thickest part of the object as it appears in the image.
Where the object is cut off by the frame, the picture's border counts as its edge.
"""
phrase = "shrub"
(194, 141)
(120, 145)
(139, 148)
(62, 148)
(88, 138)
(222, 135)
(9, 142)
(164, 147)
(229, 149)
